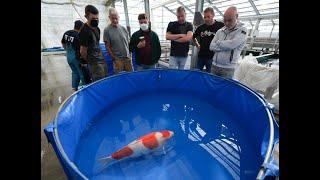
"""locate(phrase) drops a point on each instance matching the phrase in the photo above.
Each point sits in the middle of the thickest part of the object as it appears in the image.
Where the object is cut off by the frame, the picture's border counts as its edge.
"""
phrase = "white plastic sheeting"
(55, 80)
(58, 16)
(260, 78)
(275, 99)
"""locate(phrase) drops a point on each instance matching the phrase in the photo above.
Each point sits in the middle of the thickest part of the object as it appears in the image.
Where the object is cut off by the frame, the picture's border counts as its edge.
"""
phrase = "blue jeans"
(76, 73)
(204, 62)
(143, 67)
(176, 62)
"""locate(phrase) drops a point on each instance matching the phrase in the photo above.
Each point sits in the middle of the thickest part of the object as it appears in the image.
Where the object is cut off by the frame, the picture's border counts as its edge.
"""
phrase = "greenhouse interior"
(163, 89)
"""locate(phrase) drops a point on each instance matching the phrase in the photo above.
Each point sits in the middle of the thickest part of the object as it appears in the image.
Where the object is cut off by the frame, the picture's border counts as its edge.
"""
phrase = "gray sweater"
(227, 45)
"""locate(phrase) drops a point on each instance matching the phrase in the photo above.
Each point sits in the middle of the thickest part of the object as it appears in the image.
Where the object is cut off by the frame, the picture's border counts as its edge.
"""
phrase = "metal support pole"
(251, 28)
(274, 46)
(253, 36)
(273, 24)
(147, 8)
(194, 55)
(199, 6)
(126, 16)
(254, 7)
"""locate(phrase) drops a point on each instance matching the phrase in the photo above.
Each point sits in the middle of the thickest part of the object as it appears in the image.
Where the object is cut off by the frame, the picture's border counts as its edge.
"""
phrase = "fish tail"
(106, 160)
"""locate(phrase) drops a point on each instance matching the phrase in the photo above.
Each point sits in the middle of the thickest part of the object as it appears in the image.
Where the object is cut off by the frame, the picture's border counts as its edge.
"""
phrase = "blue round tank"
(222, 129)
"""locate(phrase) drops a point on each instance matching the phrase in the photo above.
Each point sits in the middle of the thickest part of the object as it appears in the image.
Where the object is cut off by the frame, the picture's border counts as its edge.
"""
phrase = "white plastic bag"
(264, 80)
(249, 58)
(256, 76)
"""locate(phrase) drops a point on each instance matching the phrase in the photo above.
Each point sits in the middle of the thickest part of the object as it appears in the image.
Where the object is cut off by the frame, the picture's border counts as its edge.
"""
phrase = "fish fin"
(106, 160)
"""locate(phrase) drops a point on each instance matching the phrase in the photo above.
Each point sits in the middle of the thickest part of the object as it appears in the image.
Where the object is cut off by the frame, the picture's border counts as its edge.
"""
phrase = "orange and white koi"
(142, 146)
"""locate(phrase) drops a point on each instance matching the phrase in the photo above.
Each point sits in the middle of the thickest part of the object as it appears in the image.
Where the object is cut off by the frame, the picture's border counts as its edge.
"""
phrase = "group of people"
(219, 44)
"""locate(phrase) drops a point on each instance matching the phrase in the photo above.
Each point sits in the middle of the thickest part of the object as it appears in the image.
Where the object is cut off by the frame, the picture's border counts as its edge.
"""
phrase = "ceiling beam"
(254, 7)
(272, 22)
(215, 8)
(168, 9)
(162, 4)
(187, 8)
(256, 17)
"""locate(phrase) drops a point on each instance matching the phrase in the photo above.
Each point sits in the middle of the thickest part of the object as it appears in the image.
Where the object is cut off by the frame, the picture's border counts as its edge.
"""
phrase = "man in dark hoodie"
(146, 45)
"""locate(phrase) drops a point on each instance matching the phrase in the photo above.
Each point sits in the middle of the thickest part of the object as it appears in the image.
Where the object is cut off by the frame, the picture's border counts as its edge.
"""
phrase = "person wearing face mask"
(116, 38)
(228, 44)
(146, 45)
(90, 51)
(180, 33)
(205, 33)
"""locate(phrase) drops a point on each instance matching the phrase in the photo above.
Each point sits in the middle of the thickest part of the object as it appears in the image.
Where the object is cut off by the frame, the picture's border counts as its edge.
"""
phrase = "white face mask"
(144, 27)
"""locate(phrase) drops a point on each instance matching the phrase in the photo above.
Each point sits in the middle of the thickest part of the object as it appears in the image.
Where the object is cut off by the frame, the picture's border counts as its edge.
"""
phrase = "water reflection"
(223, 148)
(165, 107)
(138, 126)
(220, 142)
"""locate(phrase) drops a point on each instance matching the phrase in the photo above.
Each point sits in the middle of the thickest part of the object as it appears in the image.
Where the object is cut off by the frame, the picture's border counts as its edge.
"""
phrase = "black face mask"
(94, 23)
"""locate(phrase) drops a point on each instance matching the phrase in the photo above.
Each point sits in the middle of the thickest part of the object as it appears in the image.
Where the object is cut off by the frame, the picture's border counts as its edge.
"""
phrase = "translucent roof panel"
(217, 15)
(249, 24)
(58, 15)
(247, 13)
(173, 6)
(187, 2)
(266, 27)
(266, 22)
(267, 6)
(263, 2)
(134, 9)
(221, 3)
(243, 6)
(192, 8)
(160, 21)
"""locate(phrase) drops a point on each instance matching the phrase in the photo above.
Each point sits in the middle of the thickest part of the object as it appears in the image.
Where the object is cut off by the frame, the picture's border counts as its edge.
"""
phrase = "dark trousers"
(98, 70)
(202, 61)
(86, 74)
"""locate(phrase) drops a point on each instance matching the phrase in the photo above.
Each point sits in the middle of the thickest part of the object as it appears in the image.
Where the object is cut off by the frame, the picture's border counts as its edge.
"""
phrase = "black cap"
(78, 24)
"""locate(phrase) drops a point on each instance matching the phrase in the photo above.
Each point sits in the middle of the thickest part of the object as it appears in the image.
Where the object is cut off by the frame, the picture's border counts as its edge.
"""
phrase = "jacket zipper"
(217, 54)
(231, 56)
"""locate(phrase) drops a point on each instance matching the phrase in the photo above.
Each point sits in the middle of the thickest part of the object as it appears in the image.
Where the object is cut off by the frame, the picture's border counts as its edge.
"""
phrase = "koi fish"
(141, 146)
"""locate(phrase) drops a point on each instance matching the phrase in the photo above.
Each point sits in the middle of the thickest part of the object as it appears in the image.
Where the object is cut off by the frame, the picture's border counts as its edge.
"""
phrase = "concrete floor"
(55, 85)
(50, 165)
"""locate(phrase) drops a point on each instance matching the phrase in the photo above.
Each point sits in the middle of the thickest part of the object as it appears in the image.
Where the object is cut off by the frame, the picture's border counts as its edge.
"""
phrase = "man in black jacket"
(146, 45)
